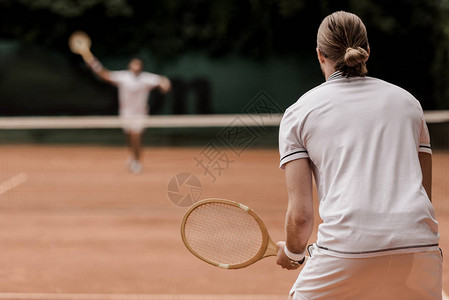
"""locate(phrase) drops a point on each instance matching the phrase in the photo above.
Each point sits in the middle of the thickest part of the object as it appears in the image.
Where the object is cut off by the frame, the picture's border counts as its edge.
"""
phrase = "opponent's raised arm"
(95, 65)
(80, 43)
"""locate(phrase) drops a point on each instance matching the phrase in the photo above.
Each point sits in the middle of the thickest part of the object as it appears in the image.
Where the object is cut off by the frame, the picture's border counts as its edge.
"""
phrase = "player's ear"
(320, 56)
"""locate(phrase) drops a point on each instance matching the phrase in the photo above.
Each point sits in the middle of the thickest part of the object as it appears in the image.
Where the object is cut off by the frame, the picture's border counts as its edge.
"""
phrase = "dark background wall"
(219, 54)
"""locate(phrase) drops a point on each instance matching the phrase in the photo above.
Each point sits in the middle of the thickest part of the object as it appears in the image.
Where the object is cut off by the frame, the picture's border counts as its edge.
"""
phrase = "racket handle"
(88, 57)
(272, 249)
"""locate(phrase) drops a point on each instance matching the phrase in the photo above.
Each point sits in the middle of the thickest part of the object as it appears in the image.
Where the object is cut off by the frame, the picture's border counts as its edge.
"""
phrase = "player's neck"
(328, 70)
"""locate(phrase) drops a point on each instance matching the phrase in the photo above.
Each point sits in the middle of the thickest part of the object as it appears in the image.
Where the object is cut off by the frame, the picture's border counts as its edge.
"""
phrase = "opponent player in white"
(367, 145)
(134, 86)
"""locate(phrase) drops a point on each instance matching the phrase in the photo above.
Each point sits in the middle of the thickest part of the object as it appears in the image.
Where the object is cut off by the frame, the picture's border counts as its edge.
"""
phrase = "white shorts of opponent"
(400, 276)
(133, 124)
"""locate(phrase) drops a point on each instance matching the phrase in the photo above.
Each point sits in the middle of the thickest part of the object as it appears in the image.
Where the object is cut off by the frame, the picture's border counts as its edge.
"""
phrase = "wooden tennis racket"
(226, 234)
(80, 43)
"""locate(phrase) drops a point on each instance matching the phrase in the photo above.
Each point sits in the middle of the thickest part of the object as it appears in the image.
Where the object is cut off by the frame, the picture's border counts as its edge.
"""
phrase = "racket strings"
(79, 42)
(223, 233)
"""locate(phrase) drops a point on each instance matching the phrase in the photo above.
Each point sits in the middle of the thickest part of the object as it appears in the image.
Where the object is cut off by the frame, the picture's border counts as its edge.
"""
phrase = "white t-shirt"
(363, 136)
(133, 91)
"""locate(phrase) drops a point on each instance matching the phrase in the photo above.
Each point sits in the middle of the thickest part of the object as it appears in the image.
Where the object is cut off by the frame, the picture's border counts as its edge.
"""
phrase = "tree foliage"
(409, 38)
(441, 59)
(76, 8)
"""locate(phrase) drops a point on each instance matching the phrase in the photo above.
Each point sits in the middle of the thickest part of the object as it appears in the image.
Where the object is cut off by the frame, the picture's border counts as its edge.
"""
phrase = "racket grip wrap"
(294, 256)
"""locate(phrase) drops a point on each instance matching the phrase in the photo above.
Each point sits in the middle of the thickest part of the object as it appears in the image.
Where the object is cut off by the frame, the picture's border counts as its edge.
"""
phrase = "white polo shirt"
(363, 136)
(133, 91)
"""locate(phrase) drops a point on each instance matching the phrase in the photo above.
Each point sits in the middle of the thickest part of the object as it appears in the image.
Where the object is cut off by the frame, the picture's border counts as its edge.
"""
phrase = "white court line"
(12, 182)
(43, 296)
(445, 296)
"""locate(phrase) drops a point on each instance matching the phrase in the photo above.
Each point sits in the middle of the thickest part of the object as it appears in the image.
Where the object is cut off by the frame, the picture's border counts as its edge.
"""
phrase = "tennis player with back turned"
(367, 145)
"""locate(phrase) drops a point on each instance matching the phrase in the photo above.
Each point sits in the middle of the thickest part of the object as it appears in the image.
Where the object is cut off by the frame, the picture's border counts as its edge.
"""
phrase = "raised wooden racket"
(226, 234)
(80, 43)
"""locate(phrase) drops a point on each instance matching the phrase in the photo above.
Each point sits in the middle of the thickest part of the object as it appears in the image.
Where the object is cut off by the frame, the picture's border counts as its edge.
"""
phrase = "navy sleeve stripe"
(301, 151)
(422, 146)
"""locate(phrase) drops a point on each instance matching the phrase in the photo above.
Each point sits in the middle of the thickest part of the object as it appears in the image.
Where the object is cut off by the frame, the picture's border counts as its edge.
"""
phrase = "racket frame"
(267, 247)
(83, 51)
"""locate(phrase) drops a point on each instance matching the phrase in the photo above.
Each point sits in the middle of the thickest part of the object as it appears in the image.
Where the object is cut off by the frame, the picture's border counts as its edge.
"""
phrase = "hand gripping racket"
(226, 234)
(80, 43)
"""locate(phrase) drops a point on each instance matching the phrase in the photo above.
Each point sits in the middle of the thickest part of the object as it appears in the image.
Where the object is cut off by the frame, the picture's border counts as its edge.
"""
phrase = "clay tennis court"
(75, 224)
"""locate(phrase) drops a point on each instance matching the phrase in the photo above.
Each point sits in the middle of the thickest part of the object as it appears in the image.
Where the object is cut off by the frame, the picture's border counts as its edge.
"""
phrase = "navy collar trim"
(335, 75)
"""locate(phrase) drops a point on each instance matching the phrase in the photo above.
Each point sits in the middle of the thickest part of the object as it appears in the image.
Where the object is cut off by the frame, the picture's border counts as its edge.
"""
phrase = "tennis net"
(20, 134)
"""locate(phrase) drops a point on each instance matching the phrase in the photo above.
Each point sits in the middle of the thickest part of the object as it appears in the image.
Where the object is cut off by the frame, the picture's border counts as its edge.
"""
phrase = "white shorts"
(133, 124)
(400, 276)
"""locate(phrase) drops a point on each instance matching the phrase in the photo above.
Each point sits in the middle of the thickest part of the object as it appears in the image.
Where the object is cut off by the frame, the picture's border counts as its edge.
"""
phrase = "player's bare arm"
(96, 66)
(425, 160)
(80, 43)
(299, 217)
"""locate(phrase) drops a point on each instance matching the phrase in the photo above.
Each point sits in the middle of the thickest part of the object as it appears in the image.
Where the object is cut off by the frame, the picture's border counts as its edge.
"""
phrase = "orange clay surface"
(75, 220)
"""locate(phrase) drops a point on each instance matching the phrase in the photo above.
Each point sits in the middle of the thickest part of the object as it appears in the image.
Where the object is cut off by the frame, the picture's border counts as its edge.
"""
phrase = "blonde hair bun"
(342, 37)
(355, 56)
